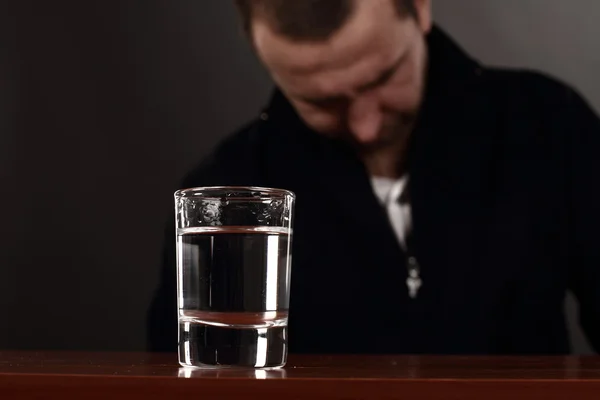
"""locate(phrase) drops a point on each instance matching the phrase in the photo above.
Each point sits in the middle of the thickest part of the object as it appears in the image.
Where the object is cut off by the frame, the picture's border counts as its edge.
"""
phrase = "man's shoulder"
(536, 92)
(234, 161)
(528, 86)
(542, 96)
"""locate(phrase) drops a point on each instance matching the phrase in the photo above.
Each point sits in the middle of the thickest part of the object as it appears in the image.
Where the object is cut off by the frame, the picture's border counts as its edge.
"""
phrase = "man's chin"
(391, 134)
(376, 142)
(380, 140)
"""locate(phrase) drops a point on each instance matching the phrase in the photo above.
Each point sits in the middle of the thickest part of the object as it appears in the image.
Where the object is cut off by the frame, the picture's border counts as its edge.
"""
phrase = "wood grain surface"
(56, 375)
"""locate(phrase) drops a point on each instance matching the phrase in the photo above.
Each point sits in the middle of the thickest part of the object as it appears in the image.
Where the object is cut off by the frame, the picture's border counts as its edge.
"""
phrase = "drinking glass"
(233, 275)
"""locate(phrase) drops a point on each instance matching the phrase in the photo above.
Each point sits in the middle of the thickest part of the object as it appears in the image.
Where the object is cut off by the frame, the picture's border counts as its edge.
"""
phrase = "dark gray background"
(105, 104)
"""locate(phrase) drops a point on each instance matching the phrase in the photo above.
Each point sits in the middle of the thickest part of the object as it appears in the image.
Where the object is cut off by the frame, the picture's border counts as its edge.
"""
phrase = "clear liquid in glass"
(233, 296)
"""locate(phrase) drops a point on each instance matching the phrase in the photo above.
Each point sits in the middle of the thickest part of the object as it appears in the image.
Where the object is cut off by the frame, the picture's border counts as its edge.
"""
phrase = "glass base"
(212, 347)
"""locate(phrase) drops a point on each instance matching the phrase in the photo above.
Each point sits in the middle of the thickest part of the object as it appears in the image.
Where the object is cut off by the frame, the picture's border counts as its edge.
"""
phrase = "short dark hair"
(307, 20)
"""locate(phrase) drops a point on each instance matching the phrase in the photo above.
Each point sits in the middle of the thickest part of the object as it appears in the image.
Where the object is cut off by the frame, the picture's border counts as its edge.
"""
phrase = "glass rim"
(200, 190)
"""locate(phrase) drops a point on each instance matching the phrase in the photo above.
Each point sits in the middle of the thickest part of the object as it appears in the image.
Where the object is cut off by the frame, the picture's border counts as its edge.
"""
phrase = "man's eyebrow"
(381, 79)
(385, 75)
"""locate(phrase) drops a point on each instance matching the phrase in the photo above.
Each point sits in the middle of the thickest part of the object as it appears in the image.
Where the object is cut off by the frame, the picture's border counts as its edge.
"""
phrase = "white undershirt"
(388, 191)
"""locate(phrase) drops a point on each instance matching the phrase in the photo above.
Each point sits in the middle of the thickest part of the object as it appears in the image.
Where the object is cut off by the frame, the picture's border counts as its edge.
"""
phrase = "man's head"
(349, 67)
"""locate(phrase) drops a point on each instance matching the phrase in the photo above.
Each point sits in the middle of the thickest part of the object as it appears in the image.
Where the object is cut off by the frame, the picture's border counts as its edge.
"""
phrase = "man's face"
(365, 83)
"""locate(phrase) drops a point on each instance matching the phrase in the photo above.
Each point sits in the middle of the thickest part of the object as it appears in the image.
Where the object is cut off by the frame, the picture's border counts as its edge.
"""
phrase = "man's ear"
(424, 15)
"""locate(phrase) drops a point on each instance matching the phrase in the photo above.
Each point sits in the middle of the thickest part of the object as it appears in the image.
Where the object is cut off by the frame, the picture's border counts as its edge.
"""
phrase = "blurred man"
(443, 206)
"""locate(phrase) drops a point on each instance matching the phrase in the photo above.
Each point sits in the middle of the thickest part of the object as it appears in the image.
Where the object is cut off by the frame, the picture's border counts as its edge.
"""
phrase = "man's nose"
(364, 118)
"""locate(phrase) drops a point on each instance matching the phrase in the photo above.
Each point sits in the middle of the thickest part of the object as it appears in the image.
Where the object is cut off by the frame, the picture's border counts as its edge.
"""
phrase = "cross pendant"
(414, 283)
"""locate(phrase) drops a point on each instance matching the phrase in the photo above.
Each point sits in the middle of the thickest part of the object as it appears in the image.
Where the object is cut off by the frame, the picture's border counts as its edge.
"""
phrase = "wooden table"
(48, 375)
